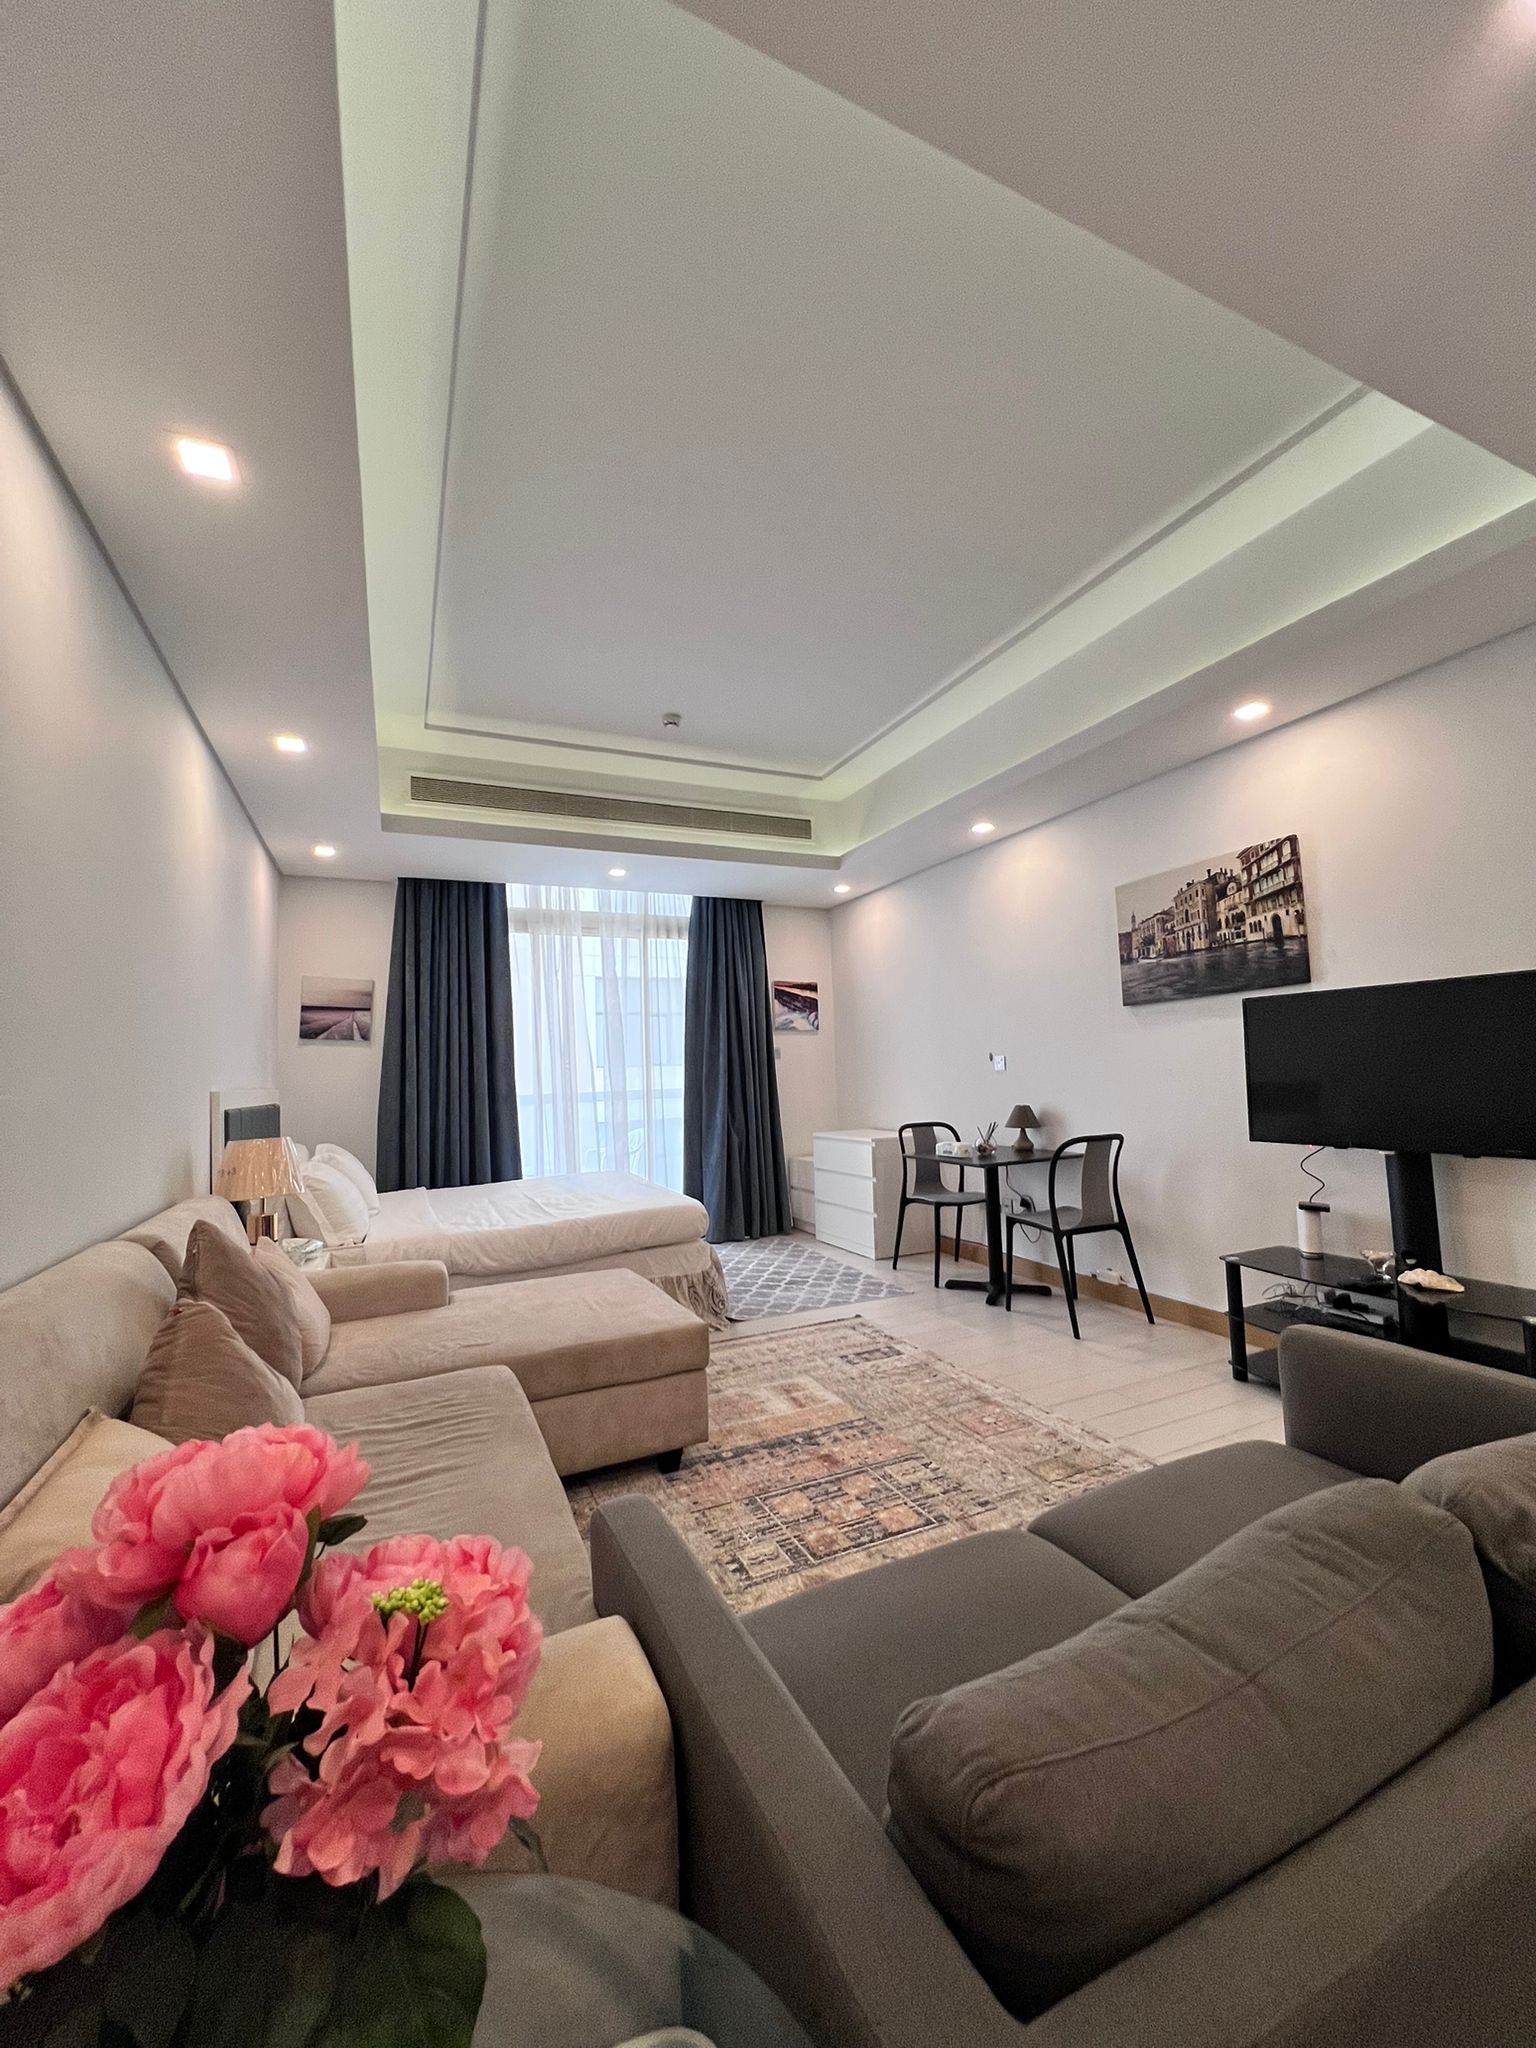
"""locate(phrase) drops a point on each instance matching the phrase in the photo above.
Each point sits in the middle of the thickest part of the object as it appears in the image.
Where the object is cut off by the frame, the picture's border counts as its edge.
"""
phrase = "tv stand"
(1420, 1319)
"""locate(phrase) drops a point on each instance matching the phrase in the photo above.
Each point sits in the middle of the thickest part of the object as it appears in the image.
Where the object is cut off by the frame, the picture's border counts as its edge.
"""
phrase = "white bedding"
(524, 1226)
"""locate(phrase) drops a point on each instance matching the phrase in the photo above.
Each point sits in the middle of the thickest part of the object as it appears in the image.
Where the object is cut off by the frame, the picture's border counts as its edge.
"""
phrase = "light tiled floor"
(1164, 1391)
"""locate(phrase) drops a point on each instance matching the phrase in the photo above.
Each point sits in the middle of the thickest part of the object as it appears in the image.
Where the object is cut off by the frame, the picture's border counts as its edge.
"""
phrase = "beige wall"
(137, 905)
(339, 929)
(1418, 838)
(799, 947)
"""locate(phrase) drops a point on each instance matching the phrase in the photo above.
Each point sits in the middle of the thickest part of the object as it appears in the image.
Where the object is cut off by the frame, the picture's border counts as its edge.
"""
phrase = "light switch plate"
(999, 1062)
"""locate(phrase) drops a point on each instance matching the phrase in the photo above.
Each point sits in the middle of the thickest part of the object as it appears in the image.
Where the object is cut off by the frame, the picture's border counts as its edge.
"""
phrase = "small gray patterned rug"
(784, 1276)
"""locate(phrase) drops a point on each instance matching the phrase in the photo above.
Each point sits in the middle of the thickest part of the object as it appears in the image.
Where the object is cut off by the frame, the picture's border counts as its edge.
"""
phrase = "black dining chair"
(923, 1185)
(1098, 1208)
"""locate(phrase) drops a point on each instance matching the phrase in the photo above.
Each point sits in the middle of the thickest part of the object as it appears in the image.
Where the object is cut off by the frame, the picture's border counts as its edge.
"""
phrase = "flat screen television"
(1410, 1066)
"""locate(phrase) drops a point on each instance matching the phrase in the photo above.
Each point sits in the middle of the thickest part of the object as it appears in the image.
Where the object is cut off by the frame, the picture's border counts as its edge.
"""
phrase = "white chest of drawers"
(858, 1192)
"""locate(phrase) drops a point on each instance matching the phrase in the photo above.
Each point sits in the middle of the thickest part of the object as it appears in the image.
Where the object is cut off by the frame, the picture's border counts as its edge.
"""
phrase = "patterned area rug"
(835, 1447)
(784, 1276)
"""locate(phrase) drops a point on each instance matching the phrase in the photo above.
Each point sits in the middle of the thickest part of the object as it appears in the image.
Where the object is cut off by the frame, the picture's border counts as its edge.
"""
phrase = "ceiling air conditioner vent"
(606, 810)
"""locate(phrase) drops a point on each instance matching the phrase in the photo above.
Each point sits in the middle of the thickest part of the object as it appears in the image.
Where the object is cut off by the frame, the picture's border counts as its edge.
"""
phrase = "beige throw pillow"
(202, 1380)
(247, 1291)
(53, 1510)
(310, 1314)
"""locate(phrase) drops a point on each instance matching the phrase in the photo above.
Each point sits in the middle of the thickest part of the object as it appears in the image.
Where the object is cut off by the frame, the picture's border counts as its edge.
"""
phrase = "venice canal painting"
(1231, 925)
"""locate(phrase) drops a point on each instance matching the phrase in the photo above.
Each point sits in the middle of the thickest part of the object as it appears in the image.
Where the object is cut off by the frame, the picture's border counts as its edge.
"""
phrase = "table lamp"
(1022, 1118)
(251, 1170)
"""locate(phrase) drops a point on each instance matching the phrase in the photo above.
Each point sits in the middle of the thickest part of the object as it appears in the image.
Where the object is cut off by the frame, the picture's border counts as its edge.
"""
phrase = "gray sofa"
(1403, 1924)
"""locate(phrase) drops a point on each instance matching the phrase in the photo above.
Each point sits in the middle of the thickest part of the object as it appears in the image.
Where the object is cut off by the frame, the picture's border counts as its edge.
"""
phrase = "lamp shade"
(1022, 1118)
(253, 1168)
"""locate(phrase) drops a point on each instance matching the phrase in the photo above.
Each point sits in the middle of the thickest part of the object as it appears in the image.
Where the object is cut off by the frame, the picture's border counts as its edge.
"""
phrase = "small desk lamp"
(253, 1169)
(1022, 1118)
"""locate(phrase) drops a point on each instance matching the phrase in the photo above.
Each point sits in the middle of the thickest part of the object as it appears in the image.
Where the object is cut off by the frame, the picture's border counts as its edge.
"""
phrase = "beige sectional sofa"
(455, 1445)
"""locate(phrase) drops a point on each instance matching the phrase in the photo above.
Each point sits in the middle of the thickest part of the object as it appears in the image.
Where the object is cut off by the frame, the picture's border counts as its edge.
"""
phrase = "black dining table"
(992, 1166)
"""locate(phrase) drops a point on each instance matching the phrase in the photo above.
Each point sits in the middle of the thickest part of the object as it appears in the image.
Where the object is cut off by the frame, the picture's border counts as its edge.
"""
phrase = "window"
(598, 980)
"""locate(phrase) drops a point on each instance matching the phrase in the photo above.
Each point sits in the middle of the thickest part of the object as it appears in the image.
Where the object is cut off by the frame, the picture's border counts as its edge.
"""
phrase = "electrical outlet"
(999, 1062)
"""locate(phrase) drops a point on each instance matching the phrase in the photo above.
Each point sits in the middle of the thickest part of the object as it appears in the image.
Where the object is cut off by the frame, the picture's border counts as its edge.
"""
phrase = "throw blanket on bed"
(523, 1226)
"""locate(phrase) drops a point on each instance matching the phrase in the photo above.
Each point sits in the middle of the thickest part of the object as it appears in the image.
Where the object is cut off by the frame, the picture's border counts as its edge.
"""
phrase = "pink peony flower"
(98, 1771)
(414, 1705)
(174, 1518)
(43, 1630)
(241, 1580)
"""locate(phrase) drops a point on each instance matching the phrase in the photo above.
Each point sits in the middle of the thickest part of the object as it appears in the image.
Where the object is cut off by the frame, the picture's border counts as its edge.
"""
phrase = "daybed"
(453, 1451)
(562, 1223)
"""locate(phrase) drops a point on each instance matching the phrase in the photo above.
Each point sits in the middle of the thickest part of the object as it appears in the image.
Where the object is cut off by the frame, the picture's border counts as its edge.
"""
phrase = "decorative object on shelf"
(1023, 1119)
(254, 1170)
(1230, 925)
(796, 1006)
(986, 1140)
(1309, 1228)
(1310, 1213)
(335, 1010)
(260, 1876)
(1431, 1281)
(1382, 1264)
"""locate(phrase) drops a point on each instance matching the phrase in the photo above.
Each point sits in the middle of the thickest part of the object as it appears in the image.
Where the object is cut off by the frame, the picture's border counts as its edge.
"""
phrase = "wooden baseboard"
(1164, 1306)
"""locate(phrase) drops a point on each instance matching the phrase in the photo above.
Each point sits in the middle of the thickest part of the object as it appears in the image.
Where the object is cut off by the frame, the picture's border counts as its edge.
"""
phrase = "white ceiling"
(1357, 175)
(771, 415)
(912, 498)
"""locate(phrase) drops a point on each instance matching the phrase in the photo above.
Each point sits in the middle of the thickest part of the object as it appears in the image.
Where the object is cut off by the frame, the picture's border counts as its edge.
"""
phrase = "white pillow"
(349, 1164)
(331, 1206)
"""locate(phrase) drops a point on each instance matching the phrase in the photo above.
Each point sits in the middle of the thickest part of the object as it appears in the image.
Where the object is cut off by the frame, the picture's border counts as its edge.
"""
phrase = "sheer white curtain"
(598, 983)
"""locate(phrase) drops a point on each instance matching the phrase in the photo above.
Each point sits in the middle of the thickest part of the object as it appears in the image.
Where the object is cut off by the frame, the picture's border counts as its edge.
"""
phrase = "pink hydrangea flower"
(98, 1772)
(217, 1525)
(415, 1703)
(43, 1630)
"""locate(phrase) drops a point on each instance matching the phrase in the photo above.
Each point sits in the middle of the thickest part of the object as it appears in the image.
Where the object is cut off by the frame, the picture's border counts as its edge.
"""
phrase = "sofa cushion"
(248, 1291)
(562, 1336)
(462, 1456)
(1067, 1811)
(858, 1651)
(166, 1233)
(1147, 1528)
(311, 1316)
(201, 1379)
(53, 1510)
(1491, 1489)
(73, 1338)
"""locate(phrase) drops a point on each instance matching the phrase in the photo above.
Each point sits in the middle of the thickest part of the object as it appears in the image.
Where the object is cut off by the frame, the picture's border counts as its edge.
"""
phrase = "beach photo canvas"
(335, 1011)
(1231, 925)
(796, 1006)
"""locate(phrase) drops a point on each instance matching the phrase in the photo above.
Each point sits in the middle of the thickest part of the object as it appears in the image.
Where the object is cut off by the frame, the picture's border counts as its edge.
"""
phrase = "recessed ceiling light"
(982, 827)
(1247, 713)
(208, 459)
(841, 888)
(325, 853)
(618, 874)
(289, 743)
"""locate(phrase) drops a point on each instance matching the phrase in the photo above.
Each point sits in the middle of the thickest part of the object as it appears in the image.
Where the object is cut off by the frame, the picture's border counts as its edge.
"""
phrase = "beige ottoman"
(613, 1368)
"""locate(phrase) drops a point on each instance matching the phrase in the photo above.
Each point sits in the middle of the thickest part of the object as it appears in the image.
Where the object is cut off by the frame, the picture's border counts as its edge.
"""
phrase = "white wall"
(799, 948)
(137, 905)
(330, 1093)
(1418, 835)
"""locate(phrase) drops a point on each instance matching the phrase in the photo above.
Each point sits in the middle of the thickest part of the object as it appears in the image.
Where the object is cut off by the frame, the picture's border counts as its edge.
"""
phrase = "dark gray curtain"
(447, 1100)
(733, 1145)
